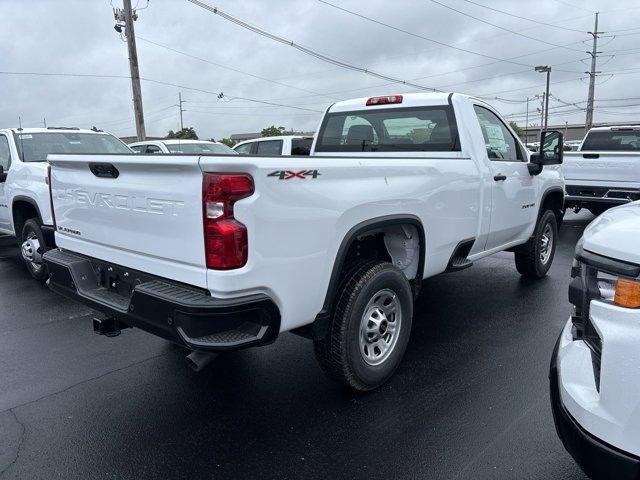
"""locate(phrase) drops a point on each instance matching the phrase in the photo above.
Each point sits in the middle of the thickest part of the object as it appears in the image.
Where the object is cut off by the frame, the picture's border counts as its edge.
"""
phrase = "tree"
(187, 133)
(274, 131)
(228, 142)
(516, 128)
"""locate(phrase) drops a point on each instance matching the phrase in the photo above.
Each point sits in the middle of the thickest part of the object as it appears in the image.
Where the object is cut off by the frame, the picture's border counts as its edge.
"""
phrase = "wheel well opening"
(22, 211)
(396, 244)
(554, 202)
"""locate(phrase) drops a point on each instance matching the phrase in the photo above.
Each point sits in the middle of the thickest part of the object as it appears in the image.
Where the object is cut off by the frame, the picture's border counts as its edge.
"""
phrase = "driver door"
(5, 162)
(513, 207)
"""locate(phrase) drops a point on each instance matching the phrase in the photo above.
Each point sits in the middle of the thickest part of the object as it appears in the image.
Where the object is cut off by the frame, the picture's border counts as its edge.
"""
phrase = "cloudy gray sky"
(77, 37)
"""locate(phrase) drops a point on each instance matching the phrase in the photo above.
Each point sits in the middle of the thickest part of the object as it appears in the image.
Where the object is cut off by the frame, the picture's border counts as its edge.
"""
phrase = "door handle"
(499, 177)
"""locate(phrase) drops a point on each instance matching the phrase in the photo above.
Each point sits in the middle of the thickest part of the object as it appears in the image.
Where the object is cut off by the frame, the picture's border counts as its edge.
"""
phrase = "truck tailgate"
(607, 168)
(140, 212)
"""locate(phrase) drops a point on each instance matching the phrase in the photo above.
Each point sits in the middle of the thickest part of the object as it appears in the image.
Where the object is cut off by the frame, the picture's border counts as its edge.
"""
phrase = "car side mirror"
(551, 149)
(3, 175)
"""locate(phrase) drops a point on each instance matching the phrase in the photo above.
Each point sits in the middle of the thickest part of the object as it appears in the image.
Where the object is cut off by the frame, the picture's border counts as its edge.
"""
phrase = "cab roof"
(175, 141)
(615, 128)
(56, 129)
(275, 137)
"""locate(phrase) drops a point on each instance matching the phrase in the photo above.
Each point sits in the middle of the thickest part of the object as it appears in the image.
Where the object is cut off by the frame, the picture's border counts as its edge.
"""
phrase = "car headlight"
(621, 291)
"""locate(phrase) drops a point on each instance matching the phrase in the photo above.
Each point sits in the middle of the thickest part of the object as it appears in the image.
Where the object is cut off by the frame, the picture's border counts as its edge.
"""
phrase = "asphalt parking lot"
(469, 401)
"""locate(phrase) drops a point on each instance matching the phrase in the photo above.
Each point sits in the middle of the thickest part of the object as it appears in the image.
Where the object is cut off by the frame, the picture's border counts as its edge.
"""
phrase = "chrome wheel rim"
(546, 244)
(380, 327)
(31, 252)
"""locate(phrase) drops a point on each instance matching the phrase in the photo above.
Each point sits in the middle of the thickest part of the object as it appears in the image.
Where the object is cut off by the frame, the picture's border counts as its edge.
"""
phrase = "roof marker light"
(386, 100)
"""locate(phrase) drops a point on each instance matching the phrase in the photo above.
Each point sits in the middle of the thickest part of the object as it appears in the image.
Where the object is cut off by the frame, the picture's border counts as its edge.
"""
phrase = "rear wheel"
(370, 327)
(537, 255)
(32, 249)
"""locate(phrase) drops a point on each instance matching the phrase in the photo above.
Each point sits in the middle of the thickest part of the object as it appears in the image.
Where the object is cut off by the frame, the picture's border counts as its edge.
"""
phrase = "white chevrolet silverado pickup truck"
(25, 205)
(605, 171)
(225, 252)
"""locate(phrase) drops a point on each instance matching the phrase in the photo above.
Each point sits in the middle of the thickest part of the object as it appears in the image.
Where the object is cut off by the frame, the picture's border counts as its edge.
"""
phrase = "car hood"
(615, 233)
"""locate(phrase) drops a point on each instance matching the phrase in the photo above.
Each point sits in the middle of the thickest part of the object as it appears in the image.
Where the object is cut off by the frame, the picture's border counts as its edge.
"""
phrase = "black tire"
(32, 229)
(598, 210)
(529, 261)
(339, 352)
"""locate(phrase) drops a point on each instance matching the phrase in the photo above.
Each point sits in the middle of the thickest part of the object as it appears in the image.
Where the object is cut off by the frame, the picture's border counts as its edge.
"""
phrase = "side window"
(5, 153)
(244, 149)
(271, 148)
(137, 148)
(301, 146)
(152, 149)
(501, 145)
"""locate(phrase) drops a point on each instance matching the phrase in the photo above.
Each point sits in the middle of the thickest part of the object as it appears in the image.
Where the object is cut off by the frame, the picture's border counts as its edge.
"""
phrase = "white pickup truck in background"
(25, 206)
(226, 252)
(273, 146)
(605, 171)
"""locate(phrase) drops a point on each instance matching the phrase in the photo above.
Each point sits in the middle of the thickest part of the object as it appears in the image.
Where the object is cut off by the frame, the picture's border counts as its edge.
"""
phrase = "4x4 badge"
(289, 174)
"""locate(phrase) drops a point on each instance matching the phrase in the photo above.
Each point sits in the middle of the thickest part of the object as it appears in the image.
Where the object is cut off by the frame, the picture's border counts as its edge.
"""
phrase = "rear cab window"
(620, 140)
(410, 129)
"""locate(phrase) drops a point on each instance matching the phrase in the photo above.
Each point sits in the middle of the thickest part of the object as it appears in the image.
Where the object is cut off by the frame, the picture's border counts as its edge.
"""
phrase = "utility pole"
(180, 102)
(526, 125)
(125, 18)
(592, 76)
(545, 69)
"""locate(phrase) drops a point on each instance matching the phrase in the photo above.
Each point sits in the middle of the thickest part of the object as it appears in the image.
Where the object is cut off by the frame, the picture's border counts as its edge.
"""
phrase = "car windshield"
(615, 141)
(203, 148)
(414, 129)
(34, 147)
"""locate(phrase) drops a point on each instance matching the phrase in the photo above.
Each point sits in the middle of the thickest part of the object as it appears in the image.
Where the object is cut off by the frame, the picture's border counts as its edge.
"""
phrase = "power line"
(525, 18)
(487, 95)
(573, 5)
(497, 26)
(254, 114)
(421, 52)
(226, 67)
(436, 74)
(412, 34)
(158, 82)
(308, 51)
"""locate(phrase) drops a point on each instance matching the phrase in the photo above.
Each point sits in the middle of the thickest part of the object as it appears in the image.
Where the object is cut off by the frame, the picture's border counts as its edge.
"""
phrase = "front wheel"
(32, 249)
(370, 327)
(537, 255)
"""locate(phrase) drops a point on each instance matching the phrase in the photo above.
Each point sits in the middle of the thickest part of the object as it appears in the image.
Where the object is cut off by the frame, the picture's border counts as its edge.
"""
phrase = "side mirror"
(3, 176)
(551, 149)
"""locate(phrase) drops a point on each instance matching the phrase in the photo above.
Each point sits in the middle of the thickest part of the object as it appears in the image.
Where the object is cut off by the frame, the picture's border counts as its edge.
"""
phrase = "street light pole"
(545, 69)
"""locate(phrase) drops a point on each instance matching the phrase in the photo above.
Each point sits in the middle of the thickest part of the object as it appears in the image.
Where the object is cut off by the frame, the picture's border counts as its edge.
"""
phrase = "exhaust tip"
(197, 361)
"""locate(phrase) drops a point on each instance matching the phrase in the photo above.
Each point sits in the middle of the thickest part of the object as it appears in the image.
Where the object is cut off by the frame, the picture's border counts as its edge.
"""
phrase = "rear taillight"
(225, 238)
(386, 100)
